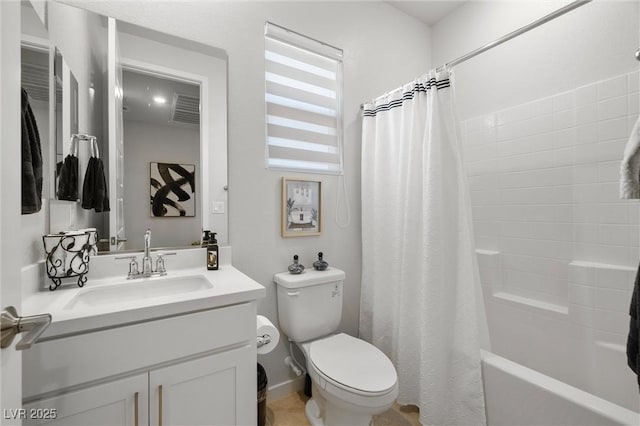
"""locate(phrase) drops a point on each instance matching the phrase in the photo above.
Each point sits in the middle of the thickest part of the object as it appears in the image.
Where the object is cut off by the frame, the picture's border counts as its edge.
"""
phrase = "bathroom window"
(303, 103)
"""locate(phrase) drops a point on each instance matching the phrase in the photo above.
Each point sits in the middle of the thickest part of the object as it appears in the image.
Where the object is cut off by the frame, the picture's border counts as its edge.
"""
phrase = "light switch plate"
(217, 207)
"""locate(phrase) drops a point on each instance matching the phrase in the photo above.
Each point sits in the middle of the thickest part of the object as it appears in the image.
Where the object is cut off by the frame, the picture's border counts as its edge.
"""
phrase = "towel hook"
(73, 149)
(94, 147)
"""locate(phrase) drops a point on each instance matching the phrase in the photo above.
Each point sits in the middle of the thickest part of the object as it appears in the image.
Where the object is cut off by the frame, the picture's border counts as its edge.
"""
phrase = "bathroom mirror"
(173, 124)
(161, 129)
(84, 53)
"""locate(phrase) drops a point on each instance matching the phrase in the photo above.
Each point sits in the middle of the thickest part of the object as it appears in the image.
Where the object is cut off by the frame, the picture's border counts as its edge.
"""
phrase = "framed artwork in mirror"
(173, 190)
(301, 207)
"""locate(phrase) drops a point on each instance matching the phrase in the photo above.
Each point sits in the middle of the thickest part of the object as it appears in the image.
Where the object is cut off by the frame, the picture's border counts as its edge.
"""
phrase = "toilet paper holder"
(265, 339)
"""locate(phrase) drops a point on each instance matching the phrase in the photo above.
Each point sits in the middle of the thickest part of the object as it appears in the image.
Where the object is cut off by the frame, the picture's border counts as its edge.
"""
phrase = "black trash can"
(262, 396)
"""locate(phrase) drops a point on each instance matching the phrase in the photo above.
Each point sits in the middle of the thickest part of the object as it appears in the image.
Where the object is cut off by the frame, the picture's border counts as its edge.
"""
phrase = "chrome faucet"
(147, 261)
(147, 270)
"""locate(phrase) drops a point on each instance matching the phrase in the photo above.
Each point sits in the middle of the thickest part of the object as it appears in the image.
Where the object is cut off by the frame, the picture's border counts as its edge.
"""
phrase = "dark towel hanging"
(68, 180)
(31, 160)
(94, 190)
(633, 340)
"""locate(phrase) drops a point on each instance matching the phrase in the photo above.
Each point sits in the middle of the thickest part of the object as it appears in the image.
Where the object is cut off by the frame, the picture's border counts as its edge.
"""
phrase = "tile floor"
(289, 411)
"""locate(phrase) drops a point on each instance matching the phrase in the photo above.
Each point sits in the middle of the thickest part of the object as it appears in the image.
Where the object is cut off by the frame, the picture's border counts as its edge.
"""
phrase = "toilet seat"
(352, 365)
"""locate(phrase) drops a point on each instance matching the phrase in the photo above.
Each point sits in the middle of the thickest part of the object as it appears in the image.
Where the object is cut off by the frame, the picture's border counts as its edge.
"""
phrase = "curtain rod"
(551, 16)
(513, 34)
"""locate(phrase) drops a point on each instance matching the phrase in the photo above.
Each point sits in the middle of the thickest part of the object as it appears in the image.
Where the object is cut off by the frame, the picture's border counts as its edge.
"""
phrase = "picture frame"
(173, 192)
(301, 207)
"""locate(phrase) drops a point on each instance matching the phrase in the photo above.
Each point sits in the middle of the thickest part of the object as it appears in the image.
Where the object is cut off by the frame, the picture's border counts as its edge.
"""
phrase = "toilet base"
(320, 412)
(312, 411)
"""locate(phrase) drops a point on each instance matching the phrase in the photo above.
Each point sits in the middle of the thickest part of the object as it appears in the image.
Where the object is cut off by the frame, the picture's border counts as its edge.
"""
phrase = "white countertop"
(229, 287)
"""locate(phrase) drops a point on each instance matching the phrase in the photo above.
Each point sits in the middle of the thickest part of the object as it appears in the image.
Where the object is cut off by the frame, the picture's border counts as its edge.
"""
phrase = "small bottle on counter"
(212, 253)
(206, 234)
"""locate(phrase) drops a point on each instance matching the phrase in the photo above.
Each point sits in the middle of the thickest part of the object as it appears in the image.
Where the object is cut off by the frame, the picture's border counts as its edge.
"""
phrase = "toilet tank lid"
(308, 277)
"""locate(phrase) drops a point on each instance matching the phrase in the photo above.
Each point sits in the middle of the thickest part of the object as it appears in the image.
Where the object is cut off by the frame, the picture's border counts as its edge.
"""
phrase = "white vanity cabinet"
(121, 402)
(203, 391)
(193, 369)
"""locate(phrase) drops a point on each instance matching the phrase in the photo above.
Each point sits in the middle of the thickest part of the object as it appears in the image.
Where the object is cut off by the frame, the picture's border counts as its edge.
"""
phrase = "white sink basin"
(139, 289)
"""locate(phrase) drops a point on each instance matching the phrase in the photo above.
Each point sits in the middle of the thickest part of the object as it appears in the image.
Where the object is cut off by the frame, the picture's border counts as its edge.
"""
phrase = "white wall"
(545, 118)
(165, 144)
(383, 48)
(591, 43)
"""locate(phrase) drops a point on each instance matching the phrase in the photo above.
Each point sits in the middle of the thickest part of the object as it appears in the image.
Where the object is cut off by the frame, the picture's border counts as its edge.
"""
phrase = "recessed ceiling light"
(159, 100)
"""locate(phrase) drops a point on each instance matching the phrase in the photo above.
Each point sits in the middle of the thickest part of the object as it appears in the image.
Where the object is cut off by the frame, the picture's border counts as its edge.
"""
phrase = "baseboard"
(283, 389)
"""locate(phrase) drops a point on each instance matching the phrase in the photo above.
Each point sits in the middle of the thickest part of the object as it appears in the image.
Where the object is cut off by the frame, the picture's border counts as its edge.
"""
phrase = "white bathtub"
(517, 395)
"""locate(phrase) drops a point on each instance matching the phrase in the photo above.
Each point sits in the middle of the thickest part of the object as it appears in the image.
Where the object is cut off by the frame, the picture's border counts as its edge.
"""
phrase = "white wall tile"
(586, 94)
(612, 129)
(587, 113)
(634, 82)
(565, 119)
(581, 315)
(613, 322)
(618, 235)
(616, 86)
(587, 133)
(612, 108)
(564, 138)
(615, 278)
(564, 101)
(612, 300)
(581, 295)
(586, 233)
(631, 121)
(633, 103)
(609, 171)
(585, 173)
(544, 178)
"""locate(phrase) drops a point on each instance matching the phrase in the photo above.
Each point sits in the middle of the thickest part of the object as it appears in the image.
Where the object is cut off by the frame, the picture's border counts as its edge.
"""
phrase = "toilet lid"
(353, 363)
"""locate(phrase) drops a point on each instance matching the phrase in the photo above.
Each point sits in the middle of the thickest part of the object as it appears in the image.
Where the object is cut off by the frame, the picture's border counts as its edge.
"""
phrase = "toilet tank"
(309, 304)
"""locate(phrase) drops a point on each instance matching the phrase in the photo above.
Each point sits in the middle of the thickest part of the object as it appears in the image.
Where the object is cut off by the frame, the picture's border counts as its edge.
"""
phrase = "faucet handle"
(160, 265)
(160, 268)
(133, 265)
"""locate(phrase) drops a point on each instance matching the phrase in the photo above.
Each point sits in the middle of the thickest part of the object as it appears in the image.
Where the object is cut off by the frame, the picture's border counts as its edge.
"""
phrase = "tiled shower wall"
(555, 243)
(544, 185)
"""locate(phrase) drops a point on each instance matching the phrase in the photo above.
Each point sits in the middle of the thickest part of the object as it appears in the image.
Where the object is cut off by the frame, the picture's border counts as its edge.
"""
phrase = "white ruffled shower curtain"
(421, 300)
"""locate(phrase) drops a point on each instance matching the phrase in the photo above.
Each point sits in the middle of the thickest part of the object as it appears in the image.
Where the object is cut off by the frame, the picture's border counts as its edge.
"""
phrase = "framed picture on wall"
(301, 207)
(173, 190)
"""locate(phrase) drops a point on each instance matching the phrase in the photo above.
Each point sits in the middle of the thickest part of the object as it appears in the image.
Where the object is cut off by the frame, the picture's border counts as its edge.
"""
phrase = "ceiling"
(426, 11)
(139, 91)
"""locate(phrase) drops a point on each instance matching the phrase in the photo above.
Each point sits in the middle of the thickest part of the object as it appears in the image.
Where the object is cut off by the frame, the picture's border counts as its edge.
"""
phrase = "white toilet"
(352, 380)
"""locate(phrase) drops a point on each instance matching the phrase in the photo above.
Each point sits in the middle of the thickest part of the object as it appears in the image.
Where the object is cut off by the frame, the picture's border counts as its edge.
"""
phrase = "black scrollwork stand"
(67, 257)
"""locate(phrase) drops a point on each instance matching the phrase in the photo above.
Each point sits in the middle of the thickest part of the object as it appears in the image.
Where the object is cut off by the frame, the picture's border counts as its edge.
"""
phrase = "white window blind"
(303, 103)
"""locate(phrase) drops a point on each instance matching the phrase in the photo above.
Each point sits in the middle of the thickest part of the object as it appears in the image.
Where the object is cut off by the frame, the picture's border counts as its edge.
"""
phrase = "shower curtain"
(421, 300)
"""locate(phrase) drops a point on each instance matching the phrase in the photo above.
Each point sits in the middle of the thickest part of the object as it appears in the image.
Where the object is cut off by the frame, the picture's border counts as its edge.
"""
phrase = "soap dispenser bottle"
(320, 264)
(212, 253)
(296, 268)
(206, 234)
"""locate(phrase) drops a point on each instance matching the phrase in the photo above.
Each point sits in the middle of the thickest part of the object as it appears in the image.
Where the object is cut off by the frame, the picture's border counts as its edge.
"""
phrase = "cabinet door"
(122, 402)
(218, 389)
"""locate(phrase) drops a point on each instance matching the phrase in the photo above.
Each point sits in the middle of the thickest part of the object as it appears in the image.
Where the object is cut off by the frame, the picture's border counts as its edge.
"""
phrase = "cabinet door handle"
(160, 405)
(135, 408)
